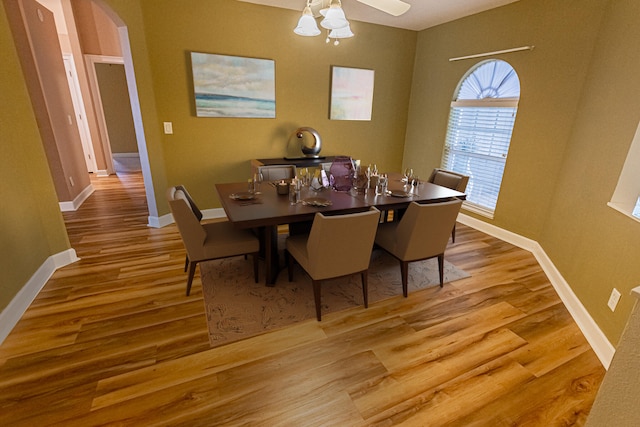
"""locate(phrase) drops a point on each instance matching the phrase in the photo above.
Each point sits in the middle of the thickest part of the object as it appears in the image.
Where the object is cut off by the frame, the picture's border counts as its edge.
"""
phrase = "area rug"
(239, 308)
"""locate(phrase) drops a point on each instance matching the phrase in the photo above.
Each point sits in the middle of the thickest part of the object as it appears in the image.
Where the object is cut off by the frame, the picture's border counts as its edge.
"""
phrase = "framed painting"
(351, 93)
(233, 86)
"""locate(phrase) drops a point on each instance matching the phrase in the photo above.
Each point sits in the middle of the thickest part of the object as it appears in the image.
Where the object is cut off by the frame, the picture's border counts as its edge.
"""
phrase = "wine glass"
(408, 174)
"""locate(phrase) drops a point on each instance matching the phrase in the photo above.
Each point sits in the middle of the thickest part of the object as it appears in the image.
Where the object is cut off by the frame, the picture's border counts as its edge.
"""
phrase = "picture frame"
(351, 93)
(233, 86)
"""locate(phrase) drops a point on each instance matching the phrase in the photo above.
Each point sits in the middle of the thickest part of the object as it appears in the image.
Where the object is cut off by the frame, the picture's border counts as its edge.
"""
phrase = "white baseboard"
(125, 155)
(78, 201)
(159, 222)
(592, 332)
(213, 213)
(12, 313)
(102, 173)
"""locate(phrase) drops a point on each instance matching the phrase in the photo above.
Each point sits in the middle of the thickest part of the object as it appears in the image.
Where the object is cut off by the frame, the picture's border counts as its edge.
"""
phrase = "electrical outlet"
(613, 299)
(71, 181)
(168, 128)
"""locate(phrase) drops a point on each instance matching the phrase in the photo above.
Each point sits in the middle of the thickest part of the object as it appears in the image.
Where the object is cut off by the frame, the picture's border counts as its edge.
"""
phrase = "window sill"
(623, 210)
(477, 210)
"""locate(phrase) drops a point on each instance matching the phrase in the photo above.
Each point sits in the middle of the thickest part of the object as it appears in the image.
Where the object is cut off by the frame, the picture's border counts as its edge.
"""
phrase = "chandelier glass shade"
(307, 24)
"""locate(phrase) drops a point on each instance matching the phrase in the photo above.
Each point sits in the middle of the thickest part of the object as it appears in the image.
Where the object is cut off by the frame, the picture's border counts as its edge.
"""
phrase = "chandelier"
(333, 20)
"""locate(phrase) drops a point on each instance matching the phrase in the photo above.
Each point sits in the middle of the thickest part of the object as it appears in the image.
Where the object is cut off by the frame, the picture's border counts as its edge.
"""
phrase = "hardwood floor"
(112, 340)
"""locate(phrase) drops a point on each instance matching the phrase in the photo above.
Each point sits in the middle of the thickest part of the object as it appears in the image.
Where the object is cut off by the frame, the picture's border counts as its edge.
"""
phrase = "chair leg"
(453, 234)
(289, 264)
(441, 268)
(186, 263)
(404, 271)
(365, 288)
(316, 297)
(256, 273)
(192, 271)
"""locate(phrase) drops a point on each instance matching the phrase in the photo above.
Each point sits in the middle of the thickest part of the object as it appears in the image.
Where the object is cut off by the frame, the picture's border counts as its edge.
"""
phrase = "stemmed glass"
(407, 176)
(256, 182)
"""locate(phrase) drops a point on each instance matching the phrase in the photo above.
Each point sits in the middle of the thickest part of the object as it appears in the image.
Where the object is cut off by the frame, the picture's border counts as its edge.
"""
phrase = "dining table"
(265, 209)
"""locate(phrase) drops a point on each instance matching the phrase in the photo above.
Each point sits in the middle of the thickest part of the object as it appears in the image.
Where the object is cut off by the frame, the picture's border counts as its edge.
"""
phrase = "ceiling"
(423, 13)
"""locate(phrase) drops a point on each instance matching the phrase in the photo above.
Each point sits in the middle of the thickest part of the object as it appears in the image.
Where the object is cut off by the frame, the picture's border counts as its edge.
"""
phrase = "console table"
(298, 162)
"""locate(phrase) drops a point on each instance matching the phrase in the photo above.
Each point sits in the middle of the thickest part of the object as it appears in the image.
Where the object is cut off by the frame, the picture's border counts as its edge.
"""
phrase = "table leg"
(271, 258)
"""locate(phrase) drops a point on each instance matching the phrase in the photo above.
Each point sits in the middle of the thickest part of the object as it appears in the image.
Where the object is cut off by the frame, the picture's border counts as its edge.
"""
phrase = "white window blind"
(479, 131)
(477, 144)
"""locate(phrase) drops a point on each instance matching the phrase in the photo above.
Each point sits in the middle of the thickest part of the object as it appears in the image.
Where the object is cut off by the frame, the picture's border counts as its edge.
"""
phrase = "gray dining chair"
(207, 241)
(277, 172)
(337, 246)
(422, 233)
(450, 179)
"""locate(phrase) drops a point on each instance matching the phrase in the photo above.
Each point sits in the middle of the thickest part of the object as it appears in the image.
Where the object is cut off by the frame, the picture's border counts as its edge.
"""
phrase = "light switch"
(168, 128)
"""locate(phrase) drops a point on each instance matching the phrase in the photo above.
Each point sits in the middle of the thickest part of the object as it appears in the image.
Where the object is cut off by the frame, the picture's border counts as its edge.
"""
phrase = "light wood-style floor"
(113, 340)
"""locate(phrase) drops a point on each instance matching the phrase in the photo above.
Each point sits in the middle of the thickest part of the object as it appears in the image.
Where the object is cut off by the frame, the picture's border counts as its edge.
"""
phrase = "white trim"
(213, 213)
(12, 313)
(624, 210)
(125, 155)
(594, 335)
(81, 115)
(78, 201)
(91, 61)
(102, 173)
(159, 222)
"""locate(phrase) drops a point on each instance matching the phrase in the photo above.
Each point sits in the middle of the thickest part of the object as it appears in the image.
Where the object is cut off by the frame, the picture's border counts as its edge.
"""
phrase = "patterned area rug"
(238, 308)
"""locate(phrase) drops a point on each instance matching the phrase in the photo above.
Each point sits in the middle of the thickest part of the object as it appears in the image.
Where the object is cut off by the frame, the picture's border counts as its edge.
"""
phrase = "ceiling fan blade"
(392, 7)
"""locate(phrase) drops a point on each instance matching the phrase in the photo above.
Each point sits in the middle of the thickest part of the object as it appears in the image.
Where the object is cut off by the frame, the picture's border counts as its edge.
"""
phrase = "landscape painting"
(351, 94)
(233, 86)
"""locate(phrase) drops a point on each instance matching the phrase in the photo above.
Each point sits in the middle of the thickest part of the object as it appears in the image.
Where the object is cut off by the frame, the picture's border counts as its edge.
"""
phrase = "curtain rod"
(497, 52)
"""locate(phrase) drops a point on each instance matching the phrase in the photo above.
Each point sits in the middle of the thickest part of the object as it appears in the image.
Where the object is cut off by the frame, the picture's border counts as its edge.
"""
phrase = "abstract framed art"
(351, 93)
(233, 86)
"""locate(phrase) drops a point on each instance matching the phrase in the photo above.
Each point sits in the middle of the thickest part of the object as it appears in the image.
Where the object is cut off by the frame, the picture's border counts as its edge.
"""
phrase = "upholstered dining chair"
(277, 172)
(207, 241)
(453, 180)
(422, 233)
(336, 246)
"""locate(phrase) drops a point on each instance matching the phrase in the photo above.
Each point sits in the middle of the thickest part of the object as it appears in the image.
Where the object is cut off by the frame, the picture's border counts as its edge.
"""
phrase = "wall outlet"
(613, 299)
(71, 181)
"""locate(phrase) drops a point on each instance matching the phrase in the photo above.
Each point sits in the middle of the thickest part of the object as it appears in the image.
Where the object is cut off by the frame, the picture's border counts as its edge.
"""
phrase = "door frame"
(81, 115)
(90, 62)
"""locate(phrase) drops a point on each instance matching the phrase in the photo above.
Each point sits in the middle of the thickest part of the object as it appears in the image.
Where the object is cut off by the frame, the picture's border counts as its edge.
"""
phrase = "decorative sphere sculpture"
(309, 150)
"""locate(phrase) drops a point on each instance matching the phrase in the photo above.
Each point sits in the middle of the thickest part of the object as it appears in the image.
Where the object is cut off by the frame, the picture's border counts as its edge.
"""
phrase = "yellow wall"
(204, 151)
(31, 226)
(576, 118)
(595, 247)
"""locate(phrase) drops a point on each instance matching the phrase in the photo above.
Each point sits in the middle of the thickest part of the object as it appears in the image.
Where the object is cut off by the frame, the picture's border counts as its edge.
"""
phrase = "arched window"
(479, 133)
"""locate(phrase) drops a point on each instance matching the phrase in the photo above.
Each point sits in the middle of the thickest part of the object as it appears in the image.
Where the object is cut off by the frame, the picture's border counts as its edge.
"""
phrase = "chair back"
(181, 192)
(424, 230)
(192, 233)
(453, 180)
(341, 244)
(277, 172)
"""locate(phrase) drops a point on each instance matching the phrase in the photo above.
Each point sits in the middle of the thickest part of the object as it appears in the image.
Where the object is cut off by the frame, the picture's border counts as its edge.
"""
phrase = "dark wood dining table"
(268, 209)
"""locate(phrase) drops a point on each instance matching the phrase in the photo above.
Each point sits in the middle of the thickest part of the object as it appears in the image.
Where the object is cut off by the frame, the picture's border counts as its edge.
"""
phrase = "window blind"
(477, 145)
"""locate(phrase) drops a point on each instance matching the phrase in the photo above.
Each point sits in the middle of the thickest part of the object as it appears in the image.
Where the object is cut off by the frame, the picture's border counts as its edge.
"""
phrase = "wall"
(595, 247)
(203, 151)
(619, 394)
(35, 33)
(97, 32)
(570, 138)
(31, 226)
